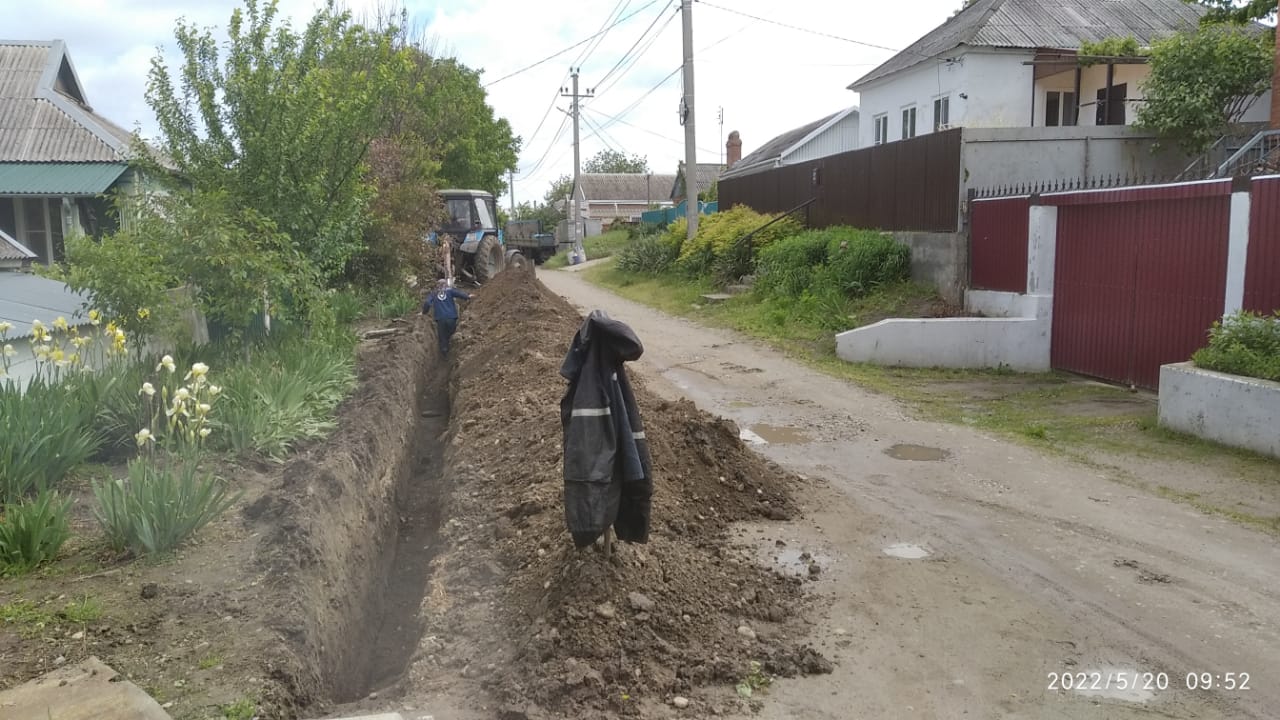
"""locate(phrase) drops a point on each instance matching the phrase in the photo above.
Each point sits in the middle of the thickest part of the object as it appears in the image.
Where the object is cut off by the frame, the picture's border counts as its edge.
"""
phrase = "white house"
(1013, 63)
(831, 135)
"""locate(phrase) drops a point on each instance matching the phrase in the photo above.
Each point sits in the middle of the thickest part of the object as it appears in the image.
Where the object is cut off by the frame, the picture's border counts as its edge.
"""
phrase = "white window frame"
(1064, 108)
(880, 129)
(943, 101)
(915, 122)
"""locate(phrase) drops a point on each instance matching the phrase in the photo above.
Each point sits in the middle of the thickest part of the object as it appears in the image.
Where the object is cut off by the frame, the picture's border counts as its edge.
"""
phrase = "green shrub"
(285, 394)
(863, 261)
(32, 532)
(394, 301)
(786, 268)
(650, 255)
(347, 306)
(45, 431)
(719, 248)
(158, 506)
(1245, 344)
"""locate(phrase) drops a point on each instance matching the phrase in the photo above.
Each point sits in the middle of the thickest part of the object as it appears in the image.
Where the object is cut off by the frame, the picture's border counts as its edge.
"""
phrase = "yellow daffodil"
(204, 432)
(80, 342)
(166, 362)
(203, 408)
(111, 329)
(61, 323)
(9, 351)
(36, 326)
(199, 370)
(143, 436)
(215, 391)
(147, 389)
(182, 395)
(95, 317)
(5, 327)
(143, 313)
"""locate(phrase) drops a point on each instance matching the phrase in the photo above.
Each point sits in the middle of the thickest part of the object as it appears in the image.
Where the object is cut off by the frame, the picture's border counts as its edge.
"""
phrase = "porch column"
(1237, 247)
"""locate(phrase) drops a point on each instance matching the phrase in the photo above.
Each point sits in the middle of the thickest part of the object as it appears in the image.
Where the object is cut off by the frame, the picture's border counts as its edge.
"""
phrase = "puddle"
(779, 434)
(906, 551)
(1124, 684)
(741, 404)
(751, 438)
(923, 453)
(794, 561)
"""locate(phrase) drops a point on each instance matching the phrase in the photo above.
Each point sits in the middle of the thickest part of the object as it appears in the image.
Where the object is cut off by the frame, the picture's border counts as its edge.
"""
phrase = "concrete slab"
(85, 691)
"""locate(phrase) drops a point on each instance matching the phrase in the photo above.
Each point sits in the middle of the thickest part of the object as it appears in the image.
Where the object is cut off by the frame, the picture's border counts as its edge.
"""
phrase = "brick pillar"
(733, 148)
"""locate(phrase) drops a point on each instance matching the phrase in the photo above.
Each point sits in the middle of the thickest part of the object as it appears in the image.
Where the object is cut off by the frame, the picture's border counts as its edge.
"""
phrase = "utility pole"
(721, 118)
(511, 187)
(577, 157)
(686, 119)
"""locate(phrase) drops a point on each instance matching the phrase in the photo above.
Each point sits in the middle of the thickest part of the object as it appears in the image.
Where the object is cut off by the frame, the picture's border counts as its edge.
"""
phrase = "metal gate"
(1140, 277)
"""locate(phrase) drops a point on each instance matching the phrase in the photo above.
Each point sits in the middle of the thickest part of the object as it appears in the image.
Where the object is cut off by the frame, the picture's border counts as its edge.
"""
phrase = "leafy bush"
(286, 394)
(786, 268)
(45, 431)
(1245, 344)
(159, 506)
(347, 306)
(720, 238)
(32, 532)
(650, 254)
(863, 261)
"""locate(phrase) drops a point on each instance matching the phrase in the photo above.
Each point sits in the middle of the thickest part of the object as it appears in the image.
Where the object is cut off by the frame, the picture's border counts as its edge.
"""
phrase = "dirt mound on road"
(551, 630)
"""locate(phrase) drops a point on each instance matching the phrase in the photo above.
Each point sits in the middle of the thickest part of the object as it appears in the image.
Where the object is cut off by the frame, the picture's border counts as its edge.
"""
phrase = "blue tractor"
(472, 244)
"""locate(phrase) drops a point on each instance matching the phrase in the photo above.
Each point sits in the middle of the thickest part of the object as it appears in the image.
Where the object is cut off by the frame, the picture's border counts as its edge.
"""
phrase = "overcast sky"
(767, 78)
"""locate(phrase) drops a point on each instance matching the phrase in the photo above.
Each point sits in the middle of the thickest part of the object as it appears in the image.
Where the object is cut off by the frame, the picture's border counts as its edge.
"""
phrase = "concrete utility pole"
(511, 188)
(686, 119)
(577, 158)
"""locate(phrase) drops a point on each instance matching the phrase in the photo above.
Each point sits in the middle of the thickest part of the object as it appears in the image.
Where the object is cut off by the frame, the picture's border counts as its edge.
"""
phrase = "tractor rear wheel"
(489, 259)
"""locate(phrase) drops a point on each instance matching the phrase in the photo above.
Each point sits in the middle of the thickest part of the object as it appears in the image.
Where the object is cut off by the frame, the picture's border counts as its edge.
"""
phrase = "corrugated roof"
(70, 179)
(705, 175)
(25, 297)
(636, 188)
(764, 157)
(1058, 24)
(11, 249)
(39, 123)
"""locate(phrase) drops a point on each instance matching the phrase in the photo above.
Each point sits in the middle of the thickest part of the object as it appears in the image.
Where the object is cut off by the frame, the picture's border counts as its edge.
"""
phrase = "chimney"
(733, 148)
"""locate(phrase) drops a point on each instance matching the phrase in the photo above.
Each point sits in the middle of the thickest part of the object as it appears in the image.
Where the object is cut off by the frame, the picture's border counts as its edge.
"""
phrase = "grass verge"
(597, 248)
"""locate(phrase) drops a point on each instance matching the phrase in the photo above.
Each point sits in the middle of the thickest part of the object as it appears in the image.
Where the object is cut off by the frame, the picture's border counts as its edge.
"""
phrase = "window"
(941, 113)
(909, 123)
(459, 210)
(1060, 108)
(1111, 109)
(881, 123)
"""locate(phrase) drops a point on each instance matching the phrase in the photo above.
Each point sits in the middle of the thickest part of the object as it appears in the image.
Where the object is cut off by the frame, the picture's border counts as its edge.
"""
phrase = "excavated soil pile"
(551, 631)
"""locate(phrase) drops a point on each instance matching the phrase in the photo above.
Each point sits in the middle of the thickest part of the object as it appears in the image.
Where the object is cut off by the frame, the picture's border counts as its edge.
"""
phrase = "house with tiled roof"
(58, 158)
(1016, 64)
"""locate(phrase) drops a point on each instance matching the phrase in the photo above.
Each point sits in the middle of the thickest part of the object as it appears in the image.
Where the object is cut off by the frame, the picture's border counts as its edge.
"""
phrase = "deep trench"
(395, 618)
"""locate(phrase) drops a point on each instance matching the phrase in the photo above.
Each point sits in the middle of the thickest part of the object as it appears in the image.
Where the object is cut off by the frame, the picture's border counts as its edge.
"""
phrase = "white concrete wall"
(1094, 78)
(1235, 411)
(999, 88)
(996, 304)
(1017, 343)
(840, 137)
(1003, 156)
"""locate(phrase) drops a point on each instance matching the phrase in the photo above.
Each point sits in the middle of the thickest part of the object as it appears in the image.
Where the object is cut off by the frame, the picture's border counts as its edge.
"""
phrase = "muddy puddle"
(905, 551)
(917, 453)
(772, 435)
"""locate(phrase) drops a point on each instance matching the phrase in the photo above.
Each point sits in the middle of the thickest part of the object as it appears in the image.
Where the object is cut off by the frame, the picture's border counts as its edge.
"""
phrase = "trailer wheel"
(516, 260)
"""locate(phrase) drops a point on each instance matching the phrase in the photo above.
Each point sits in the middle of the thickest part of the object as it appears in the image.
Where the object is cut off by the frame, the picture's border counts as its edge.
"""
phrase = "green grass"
(83, 612)
(31, 619)
(242, 709)
(210, 661)
(598, 247)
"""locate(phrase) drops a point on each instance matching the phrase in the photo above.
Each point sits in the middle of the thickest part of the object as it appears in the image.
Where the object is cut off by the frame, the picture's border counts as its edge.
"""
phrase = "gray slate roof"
(629, 188)
(25, 297)
(12, 250)
(1057, 24)
(44, 115)
(764, 156)
(705, 174)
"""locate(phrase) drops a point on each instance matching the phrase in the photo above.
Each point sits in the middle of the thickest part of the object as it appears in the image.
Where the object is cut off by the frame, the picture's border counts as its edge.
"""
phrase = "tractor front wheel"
(489, 259)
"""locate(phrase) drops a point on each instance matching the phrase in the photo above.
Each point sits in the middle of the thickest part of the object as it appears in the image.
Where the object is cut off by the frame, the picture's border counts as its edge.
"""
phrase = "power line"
(538, 165)
(800, 29)
(635, 57)
(551, 106)
(580, 43)
(626, 55)
(644, 130)
(651, 90)
(618, 8)
(598, 133)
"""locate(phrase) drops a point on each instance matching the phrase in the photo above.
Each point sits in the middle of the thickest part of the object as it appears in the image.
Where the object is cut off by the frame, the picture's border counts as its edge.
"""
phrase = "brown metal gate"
(1140, 276)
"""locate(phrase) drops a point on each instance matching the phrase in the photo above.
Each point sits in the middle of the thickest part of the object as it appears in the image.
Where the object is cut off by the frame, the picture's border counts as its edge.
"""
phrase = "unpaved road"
(1036, 565)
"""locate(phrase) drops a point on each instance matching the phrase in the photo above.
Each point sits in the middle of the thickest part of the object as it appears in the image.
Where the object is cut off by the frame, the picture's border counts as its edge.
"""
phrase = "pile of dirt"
(549, 630)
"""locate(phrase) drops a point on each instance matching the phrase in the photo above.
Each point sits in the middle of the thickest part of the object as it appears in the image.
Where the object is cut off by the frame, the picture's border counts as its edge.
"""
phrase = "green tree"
(1202, 82)
(1238, 12)
(614, 161)
(282, 122)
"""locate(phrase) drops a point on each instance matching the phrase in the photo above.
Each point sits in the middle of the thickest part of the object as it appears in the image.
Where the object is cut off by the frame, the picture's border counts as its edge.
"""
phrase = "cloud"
(767, 78)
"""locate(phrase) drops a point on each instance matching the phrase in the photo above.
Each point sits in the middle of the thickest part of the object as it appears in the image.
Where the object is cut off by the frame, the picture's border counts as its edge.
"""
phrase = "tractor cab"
(475, 242)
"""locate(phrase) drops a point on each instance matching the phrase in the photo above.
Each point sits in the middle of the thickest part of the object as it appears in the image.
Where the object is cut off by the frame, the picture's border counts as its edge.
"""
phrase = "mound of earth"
(549, 630)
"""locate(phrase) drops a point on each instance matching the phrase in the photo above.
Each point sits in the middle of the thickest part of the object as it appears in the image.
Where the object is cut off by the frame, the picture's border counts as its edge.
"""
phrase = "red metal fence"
(1262, 271)
(908, 185)
(998, 244)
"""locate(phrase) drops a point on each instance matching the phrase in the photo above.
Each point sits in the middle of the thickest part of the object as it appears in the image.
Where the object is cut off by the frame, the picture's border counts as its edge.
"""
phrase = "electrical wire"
(797, 28)
(596, 132)
(638, 100)
(635, 58)
(646, 130)
(538, 165)
(626, 55)
(580, 43)
(618, 8)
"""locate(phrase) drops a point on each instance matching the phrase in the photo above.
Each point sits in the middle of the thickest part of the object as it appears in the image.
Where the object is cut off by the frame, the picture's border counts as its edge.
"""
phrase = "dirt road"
(1032, 566)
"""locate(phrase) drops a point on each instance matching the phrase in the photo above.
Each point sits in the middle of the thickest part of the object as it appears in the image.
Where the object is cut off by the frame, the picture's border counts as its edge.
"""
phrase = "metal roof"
(11, 249)
(25, 297)
(629, 188)
(1032, 24)
(43, 114)
(68, 179)
(766, 155)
